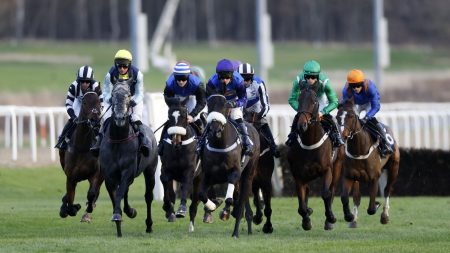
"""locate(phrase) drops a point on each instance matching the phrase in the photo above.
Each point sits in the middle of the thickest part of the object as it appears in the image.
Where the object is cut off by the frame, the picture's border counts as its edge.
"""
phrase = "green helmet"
(311, 67)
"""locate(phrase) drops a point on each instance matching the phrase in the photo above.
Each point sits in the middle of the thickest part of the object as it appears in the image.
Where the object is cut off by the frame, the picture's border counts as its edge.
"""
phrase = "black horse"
(179, 159)
(222, 162)
(78, 163)
(311, 157)
(121, 160)
(263, 177)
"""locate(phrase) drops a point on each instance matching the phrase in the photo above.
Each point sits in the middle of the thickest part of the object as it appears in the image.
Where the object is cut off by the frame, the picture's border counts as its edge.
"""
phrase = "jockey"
(328, 101)
(366, 98)
(182, 85)
(124, 70)
(229, 83)
(84, 83)
(257, 102)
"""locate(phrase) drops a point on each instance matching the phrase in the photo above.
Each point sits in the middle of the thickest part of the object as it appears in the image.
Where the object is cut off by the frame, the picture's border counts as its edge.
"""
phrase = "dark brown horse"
(363, 163)
(263, 177)
(222, 162)
(179, 159)
(78, 163)
(311, 157)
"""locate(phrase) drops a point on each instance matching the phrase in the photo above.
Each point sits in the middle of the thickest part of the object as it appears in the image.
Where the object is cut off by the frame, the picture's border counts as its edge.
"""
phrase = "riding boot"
(292, 137)
(335, 135)
(66, 133)
(95, 150)
(144, 146)
(265, 129)
(248, 146)
(161, 141)
(385, 147)
(201, 141)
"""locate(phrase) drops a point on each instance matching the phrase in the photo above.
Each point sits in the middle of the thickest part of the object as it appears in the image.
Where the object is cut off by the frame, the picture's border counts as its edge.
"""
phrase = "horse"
(222, 162)
(78, 163)
(263, 177)
(121, 160)
(363, 163)
(179, 159)
(311, 157)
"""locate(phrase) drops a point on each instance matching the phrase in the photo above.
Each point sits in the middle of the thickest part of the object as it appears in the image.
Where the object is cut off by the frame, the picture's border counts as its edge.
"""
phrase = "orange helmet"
(355, 76)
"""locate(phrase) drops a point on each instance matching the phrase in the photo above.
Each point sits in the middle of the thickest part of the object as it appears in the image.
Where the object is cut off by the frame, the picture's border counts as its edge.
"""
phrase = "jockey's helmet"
(311, 67)
(355, 76)
(246, 70)
(123, 57)
(182, 68)
(224, 65)
(85, 73)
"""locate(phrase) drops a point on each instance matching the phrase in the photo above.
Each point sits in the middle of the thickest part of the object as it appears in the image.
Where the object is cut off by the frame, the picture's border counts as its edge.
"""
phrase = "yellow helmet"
(123, 54)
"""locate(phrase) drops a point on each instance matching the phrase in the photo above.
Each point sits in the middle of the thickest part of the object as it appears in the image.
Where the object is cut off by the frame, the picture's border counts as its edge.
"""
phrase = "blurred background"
(43, 42)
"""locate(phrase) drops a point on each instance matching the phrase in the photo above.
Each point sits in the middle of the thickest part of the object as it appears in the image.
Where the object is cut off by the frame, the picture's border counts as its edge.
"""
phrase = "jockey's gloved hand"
(132, 103)
(71, 113)
(231, 104)
(365, 119)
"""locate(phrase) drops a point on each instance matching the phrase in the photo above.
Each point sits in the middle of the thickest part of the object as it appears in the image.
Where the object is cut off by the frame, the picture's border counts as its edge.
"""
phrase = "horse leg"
(72, 209)
(248, 216)
(194, 202)
(63, 208)
(257, 219)
(243, 199)
(392, 177)
(129, 211)
(327, 200)
(267, 196)
(356, 193)
(233, 178)
(347, 187)
(303, 206)
(168, 205)
(149, 185)
(181, 212)
(373, 191)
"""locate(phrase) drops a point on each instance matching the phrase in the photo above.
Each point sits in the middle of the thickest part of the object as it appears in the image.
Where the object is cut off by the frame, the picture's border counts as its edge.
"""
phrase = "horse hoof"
(72, 210)
(207, 218)
(328, 226)
(181, 212)
(171, 218)
(86, 218)
(306, 225)
(384, 219)
(63, 214)
(224, 215)
(191, 227)
(349, 217)
(331, 219)
(267, 228)
(116, 217)
(257, 219)
(131, 213)
(149, 230)
(353, 224)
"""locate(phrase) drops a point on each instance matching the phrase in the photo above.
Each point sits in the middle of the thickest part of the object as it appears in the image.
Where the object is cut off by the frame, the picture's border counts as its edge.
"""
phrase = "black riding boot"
(201, 141)
(385, 147)
(95, 150)
(331, 126)
(265, 129)
(66, 133)
(292, 137)
(248, 146)
(161, 141)
(144, 143)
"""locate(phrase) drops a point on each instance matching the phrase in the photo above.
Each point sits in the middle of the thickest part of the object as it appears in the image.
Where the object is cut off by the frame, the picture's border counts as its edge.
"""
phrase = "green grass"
(289, 58)
(30, 200)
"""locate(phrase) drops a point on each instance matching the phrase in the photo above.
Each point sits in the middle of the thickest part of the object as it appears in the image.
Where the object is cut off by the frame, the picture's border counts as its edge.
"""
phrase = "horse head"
(90, 107)
(217, 112)
(308, 108)
(178, 121)
(121, 97)
(348, 119)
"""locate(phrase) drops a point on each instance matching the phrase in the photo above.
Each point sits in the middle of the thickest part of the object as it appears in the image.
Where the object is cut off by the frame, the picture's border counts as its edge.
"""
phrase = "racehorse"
(179, 159)
(310, 157)
(121, 160)
(263, 177)
(363, 163)
(222, 162)
(78, 163)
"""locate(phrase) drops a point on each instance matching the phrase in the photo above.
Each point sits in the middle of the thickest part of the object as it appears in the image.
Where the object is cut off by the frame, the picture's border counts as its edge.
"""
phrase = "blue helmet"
(224, 65)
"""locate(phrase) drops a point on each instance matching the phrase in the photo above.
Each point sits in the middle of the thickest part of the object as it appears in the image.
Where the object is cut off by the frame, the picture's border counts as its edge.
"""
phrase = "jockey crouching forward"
(182, 85)
(328, 101)
(229, 83)
(258, 103)
(124, 70)
(84, 83)
(366, 98)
